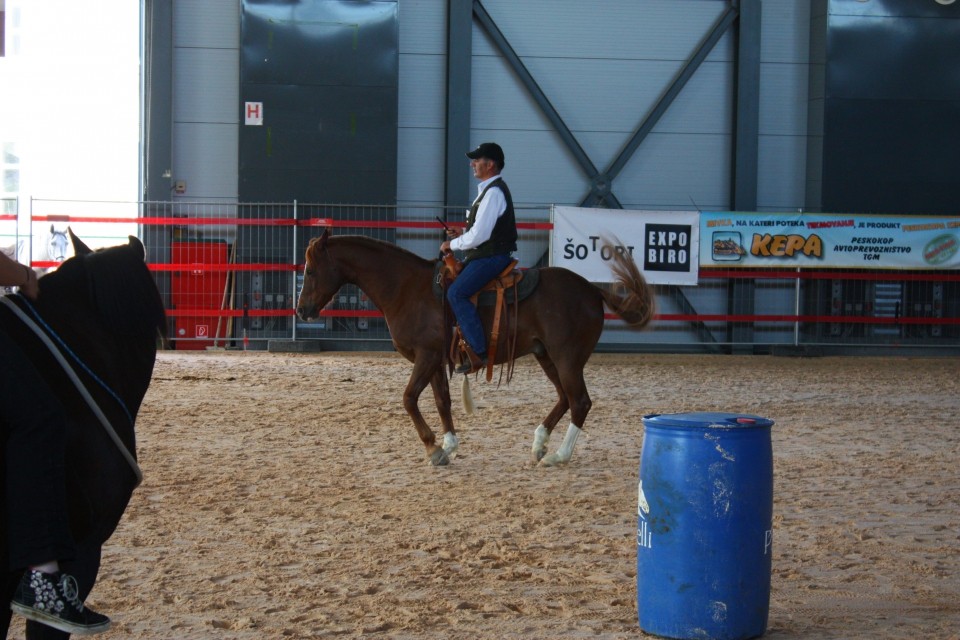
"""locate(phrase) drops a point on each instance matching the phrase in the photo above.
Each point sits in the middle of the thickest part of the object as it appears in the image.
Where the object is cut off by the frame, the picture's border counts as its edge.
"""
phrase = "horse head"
(114, 283)
(57, 244)
(322, 278)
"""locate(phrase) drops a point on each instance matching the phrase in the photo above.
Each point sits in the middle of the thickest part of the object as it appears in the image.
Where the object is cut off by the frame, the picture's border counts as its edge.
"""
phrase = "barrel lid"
(706, 420)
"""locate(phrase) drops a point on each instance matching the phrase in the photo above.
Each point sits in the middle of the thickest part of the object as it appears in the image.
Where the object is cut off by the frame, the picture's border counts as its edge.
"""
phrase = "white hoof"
(552, 460)
(450, 445)
(540, 438)
(565, 452)
(438, 458)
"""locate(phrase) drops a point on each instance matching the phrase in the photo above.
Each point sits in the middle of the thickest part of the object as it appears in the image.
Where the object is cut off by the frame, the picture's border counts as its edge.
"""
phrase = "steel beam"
(741, 296)
(456, 191)
(535, 91)
(679, 82)
(747, 107)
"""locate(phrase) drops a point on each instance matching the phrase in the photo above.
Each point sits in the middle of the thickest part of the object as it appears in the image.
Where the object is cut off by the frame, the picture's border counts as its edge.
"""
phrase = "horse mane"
(119, 287)
(373, 244)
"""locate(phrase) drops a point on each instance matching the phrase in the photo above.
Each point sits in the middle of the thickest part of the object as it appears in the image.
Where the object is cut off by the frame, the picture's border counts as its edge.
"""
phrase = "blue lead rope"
(73, 356)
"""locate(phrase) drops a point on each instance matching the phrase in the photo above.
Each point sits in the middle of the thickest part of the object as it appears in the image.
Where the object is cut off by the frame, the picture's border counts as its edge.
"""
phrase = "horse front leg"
(441, 395)
(423, 372)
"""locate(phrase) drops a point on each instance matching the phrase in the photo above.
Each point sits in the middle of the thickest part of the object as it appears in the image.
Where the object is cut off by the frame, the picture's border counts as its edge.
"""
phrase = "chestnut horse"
(559, 323)
(102, 314)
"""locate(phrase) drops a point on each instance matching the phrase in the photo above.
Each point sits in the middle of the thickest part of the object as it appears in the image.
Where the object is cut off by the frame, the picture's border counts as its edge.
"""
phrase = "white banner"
(664, 244)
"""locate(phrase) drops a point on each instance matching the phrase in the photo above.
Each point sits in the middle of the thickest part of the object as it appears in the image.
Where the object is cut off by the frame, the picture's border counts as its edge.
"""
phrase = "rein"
(42, 333)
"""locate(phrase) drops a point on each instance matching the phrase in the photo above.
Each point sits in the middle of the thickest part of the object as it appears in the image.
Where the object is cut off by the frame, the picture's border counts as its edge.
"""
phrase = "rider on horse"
(38, 533)
(489, 240)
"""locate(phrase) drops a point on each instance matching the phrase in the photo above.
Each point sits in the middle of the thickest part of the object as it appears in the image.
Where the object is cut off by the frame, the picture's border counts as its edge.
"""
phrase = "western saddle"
(507, 279)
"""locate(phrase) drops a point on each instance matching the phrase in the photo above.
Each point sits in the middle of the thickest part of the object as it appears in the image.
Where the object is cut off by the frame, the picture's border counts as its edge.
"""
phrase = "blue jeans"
(476, 273)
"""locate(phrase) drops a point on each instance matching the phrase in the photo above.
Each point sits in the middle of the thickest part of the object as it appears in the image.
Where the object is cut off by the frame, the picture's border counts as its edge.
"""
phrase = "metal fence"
(229, 274)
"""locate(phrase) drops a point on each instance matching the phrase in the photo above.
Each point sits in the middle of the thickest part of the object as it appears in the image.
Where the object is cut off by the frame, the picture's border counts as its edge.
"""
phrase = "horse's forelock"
(314, 249)
(318, 245)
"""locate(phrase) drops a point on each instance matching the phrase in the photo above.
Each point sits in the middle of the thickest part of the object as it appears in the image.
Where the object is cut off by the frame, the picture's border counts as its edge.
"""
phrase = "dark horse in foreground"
(559, 323)
(103, 310)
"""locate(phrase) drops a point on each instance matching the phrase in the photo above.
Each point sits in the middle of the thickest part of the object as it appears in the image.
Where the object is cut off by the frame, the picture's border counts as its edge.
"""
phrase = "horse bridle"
(72, 374)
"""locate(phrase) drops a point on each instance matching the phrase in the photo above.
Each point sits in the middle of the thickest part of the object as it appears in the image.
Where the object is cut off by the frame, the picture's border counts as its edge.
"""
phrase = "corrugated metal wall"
(206, 89)
(603, 67)
(886, 120)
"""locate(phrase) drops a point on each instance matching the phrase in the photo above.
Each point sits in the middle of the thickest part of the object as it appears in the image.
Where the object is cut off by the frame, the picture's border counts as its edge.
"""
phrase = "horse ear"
(136, 243)
(324, 237)
(79, 248)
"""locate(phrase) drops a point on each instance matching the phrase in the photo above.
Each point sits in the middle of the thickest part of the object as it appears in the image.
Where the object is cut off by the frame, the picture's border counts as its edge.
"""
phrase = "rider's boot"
(471, 362)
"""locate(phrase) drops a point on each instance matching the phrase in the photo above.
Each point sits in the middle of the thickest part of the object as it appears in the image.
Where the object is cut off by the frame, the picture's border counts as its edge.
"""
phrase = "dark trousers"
(476, 273)
(34, 427)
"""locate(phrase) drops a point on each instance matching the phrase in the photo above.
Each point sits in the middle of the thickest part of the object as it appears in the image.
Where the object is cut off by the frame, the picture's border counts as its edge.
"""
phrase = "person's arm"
(14, 274)
(491, 207)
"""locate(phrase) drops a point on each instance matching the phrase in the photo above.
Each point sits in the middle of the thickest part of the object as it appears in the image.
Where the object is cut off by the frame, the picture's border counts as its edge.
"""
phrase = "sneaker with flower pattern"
(53, 599)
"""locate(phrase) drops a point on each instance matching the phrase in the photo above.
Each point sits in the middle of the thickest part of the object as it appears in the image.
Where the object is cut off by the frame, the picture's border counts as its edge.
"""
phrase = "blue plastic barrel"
(705, 526)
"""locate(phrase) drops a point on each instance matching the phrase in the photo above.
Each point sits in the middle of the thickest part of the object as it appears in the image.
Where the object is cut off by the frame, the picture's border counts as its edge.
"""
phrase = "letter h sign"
(253, 113)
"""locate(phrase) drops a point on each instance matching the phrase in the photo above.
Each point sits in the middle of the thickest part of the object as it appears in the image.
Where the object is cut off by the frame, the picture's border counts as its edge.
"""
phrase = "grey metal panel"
(206, 97)
(785, 31)
(673, 169)
(613, 29)
(204, 155)
(604, 97)
(420, 171)
(421, 95)
(782, 172)
(208, 24)
(324, 43)
(919, 60)
(423, 27)
(539, 169)
(206, 85)
(613, 95)
(506, 104)
(783, 101)
(893, 9)
(603, 65)
(891, 111)
(667, 170)
(327, 73)
(157, 103)
(320, 144)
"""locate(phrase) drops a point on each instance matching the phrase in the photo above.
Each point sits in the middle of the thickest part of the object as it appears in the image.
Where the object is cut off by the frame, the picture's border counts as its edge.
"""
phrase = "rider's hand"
(31, 287)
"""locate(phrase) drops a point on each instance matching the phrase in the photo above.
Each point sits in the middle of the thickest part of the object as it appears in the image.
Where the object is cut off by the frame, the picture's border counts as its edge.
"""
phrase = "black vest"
(503, 239)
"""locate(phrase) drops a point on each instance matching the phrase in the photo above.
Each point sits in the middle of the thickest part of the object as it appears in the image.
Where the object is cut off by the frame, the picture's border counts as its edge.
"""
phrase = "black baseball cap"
(488, 150)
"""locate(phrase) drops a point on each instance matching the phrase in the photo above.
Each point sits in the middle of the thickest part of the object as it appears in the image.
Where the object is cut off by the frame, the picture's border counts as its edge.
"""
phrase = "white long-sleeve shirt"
(493, 205)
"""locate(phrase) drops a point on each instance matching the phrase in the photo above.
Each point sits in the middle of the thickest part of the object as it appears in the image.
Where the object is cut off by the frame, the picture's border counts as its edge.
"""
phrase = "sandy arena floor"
(286, 496)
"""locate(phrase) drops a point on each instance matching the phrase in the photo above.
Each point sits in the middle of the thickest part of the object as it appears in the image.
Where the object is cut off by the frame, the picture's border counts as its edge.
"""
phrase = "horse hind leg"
(571, 387)
(541, 436)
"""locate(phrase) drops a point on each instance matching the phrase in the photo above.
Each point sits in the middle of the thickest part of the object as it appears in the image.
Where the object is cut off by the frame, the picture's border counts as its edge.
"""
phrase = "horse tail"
(636, 304)
(467, 396)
